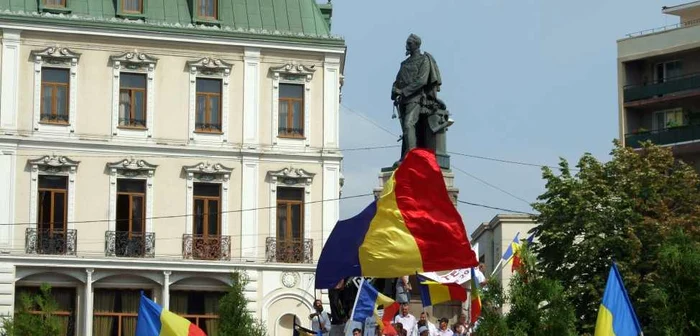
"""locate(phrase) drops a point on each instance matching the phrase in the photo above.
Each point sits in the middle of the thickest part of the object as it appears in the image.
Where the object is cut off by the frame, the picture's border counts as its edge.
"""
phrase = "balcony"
(293, 251)
(660, 88)
(130, 244)
(201, 247)
(53, 242)
(665, 136)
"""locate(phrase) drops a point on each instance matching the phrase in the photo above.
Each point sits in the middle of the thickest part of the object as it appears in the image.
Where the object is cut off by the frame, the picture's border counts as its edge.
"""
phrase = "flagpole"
(497, 267)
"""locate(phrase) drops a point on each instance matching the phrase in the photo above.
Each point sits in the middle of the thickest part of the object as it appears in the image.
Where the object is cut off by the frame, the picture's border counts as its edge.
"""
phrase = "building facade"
(494, 238)
(659, 85)
(159, 145)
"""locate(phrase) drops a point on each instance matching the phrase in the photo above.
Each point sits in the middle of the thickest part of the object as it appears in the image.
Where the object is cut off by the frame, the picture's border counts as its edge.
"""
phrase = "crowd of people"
(342, 299)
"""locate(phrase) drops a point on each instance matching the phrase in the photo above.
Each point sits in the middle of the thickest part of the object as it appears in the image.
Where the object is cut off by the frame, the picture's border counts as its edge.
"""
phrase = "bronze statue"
(424, 118)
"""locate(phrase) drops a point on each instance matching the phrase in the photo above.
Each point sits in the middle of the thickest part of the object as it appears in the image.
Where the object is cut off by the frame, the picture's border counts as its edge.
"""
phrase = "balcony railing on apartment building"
(688, 23)
(289, 250)
(665, 136)
(130, 244)
(54, 242)
(207, 247)
(660, 88)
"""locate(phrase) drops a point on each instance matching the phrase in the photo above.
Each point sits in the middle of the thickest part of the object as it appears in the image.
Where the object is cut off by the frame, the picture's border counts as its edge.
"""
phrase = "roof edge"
(674, 10)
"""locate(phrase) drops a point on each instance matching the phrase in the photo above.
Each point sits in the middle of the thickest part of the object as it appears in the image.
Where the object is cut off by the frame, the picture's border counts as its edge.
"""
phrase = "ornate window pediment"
(293, 71)
(55, 55)
(132, 167)
(210, 66)
(53, 164)
(207, 172)
(134, 60)
(292, 176)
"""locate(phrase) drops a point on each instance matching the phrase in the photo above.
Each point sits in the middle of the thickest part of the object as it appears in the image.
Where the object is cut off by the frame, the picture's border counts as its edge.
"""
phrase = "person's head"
(482, 267)
(423, 331)
(443, 323)
(460, 329)
(318, 305)
(356, 332)
(422, 323)
(404, 309)
(462, 319)
(412, 44)
(398, 326)
(423, 316)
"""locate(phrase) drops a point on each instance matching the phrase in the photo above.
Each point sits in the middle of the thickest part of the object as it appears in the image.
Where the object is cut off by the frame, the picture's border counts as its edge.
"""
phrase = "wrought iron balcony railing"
(54, 118)
(664, 136)
(290, 132)
(204, 127)
(207, 247)
(46, 241)
(289, 250)
(130, 244)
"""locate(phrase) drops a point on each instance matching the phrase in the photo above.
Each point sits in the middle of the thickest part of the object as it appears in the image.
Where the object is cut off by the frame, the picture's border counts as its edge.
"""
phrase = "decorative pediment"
(292, 176)
(55, 55)
(294, 71)
(53, 164)
(132, 167)
(134, 60)
(208, 172)
(209, 65)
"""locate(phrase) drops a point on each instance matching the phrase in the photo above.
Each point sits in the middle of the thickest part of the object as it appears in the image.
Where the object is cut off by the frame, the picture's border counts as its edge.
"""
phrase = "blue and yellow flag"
(616, 316)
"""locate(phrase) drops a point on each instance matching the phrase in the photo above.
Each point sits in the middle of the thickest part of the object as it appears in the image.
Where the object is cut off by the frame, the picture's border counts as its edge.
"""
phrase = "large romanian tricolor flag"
(616, 316)
(412, 227)
(433, 292)
(153, 320)
(367, 303)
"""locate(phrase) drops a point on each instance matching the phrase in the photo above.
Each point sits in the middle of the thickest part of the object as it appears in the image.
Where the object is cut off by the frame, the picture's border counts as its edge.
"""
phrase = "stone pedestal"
(448, 175)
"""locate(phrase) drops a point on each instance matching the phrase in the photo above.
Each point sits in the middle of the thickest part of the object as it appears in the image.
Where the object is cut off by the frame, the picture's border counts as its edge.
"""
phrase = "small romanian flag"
(616, 315)
(412, 227)
(153, 320)
(476, 299)
(366, 303)
(433, 292)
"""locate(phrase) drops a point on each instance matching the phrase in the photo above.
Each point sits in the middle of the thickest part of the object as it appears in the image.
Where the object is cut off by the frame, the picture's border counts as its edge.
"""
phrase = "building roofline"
(497, 220)
(673, 10)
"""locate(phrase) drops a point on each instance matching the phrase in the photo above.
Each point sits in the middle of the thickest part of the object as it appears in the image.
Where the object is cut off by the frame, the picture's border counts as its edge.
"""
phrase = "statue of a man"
(414, 93)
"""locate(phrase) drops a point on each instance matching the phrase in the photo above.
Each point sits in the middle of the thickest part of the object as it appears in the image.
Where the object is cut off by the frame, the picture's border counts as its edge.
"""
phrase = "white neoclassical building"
(158, 145)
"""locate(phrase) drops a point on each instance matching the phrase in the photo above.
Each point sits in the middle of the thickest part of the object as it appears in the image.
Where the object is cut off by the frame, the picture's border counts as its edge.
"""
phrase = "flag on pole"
(475, 307)
(433, 292)
(412, 227)
(517, 262)
(153, 320)
(366, 303)
(616, 315)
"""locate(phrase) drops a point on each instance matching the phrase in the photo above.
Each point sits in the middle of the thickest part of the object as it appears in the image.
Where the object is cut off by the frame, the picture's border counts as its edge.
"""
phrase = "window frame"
(205, 215)
(289, 204)
(137, 63)
(199, 17)
(207, 107)
(119, 315)
(54, 97)
(299, 74)
(36, 289)
(290, 113)
(55, 57)
(131, 12)
(52, 214)
(131, 196)
(197, 317)
(209, 68)
(144, 106)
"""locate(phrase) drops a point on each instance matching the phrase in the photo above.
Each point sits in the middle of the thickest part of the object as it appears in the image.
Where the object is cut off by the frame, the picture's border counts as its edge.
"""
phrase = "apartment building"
(659, 85)
(158, 145)
(494, 238)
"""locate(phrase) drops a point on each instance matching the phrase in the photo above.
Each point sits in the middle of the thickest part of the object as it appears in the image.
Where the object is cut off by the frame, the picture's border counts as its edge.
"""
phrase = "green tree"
(673, 303)
(492, 322)
(234, 317)
(27, 322)
(623, 209)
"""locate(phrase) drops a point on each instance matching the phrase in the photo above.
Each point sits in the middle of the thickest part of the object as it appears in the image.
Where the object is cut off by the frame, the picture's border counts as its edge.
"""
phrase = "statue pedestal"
(447, 175)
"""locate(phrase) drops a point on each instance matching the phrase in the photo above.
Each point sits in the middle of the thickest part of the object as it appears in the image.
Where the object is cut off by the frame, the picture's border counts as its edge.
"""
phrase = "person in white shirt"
(444, 330)
(320, 320)
(432, 330)
(407, 320)
(403, 289)
(423, 331)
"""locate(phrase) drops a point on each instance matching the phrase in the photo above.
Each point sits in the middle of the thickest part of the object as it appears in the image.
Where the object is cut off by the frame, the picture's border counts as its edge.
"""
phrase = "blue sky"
(525, 81)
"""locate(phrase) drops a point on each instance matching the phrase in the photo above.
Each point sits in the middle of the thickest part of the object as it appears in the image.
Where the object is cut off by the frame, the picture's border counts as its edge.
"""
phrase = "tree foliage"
(234, 317)
(625, 209)
(27, 322)
(538, 305)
